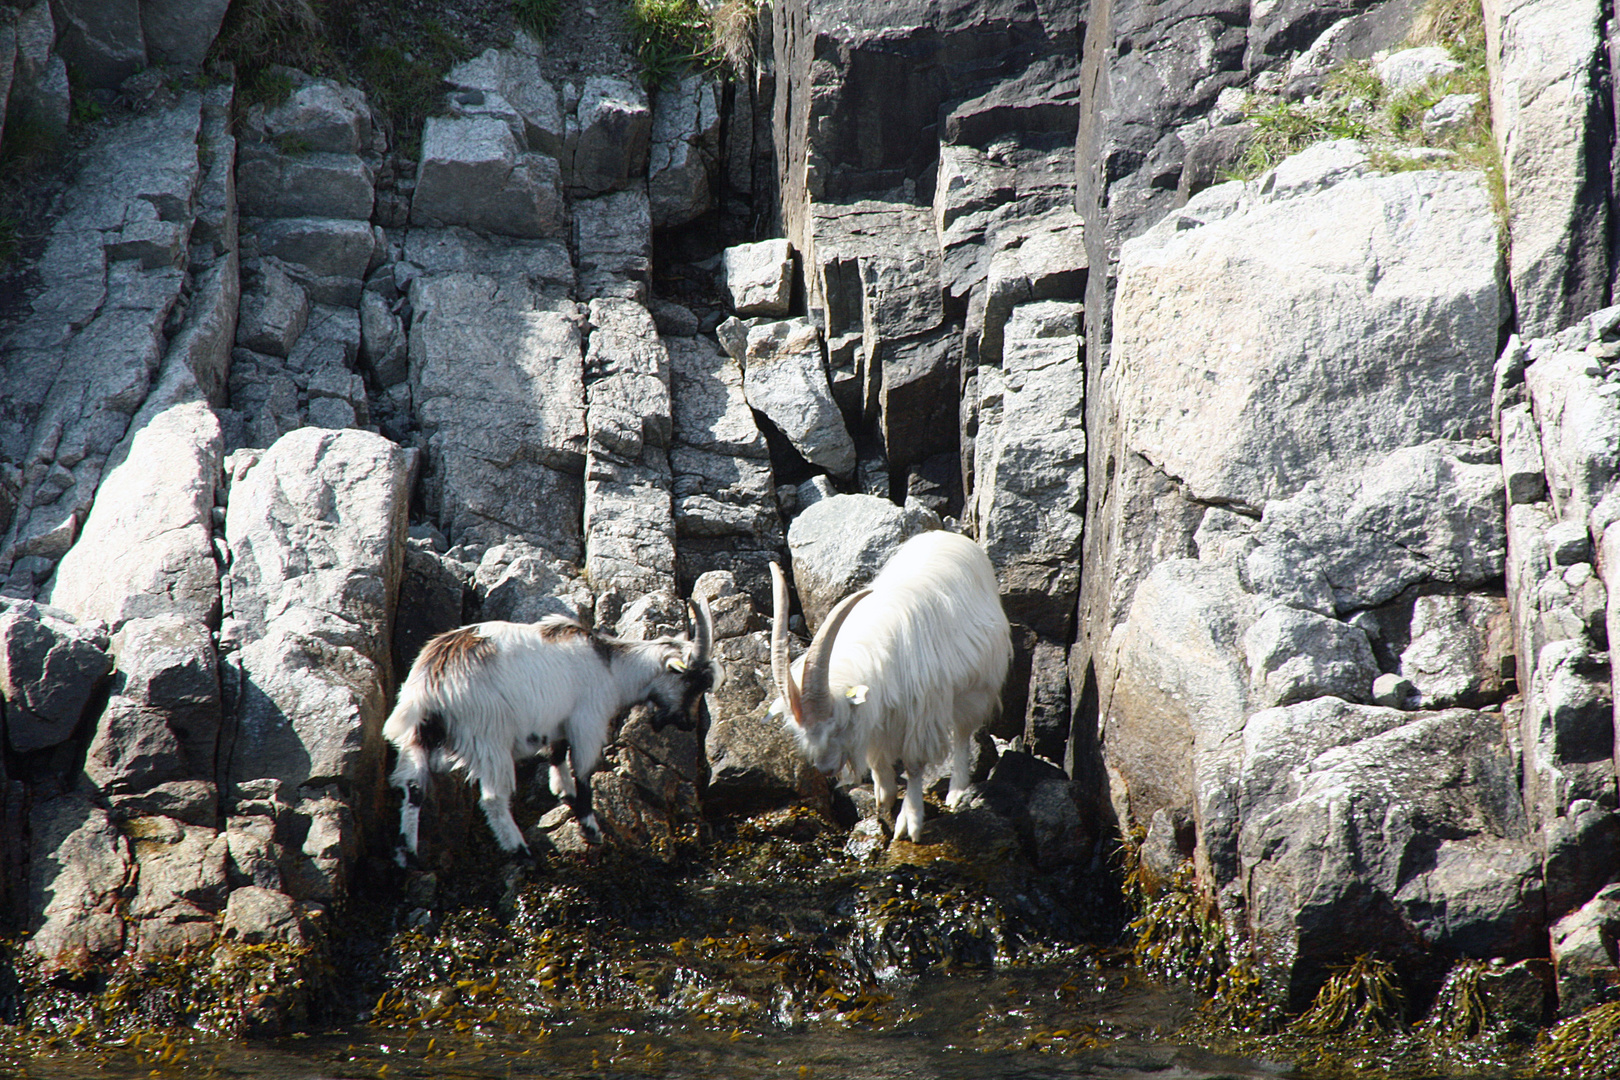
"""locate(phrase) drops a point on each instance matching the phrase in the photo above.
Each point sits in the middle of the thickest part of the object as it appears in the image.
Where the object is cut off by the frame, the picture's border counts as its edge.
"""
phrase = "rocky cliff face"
(1298, 487)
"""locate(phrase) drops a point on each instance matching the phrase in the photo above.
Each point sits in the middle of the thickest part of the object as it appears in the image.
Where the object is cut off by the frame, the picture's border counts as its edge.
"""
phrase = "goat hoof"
(408, 861)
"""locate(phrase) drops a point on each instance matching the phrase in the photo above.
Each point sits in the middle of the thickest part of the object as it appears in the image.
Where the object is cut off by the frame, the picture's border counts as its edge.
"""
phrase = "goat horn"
(780, 668)
(816, 694)
(702, 628)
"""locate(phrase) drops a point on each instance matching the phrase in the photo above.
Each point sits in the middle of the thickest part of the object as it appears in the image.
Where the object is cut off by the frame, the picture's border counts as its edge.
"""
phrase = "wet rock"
(754, 764)
(1583, 955)
(758, 278)
(262, 916)
(146, 549)
(684, 150)
(1320, 879)
(1035, 796)
(474, 173)
(841, 543)
(50, 671)
(79, 873)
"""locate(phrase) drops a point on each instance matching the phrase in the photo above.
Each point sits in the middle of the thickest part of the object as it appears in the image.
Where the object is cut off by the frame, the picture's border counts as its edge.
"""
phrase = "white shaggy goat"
(905, 670)
(484, 696)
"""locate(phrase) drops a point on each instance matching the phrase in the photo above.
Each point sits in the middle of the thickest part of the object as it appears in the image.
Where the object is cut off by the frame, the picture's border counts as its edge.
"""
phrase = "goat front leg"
(910, 822)
(961, 772)
(883, 790)
(574, 789)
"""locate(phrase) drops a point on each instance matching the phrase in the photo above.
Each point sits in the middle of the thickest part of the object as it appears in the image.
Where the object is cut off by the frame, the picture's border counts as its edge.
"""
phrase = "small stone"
(1569, 543)
(1393, 691)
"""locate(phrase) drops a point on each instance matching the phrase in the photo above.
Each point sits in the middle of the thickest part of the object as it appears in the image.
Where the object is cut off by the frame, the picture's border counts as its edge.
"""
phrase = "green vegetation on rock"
(1353, 103)
(675, 37)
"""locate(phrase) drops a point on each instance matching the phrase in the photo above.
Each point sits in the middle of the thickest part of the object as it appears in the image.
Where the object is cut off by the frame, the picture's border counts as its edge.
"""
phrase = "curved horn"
(816, 695)
(702, 629)
(780, 668)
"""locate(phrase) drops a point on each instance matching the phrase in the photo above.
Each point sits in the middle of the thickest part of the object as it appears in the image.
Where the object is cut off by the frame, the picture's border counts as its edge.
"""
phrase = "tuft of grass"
(675, 37)
(407, 87)
(1363, 998)
(736, 26)
(1282, 129)
(259, 35)
(1459, 25)
(538, 17)
(670, 37)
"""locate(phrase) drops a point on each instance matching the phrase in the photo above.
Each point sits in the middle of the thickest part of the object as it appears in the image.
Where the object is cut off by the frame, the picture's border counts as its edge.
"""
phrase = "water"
(769, 952)
(1035, 1023)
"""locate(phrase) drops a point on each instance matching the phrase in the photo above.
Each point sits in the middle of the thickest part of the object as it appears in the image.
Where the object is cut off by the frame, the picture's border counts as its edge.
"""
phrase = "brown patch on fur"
(455, 650)
(560, 629)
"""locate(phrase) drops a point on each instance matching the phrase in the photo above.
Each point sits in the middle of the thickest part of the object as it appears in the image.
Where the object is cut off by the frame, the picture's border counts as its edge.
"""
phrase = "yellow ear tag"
(677, 665)
(856, 694)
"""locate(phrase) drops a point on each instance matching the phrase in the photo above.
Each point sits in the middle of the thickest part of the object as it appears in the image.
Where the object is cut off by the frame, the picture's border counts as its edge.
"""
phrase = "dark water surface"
(1035, 1023)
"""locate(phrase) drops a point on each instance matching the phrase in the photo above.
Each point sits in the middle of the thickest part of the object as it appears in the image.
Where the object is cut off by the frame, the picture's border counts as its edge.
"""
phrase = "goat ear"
(676, 664)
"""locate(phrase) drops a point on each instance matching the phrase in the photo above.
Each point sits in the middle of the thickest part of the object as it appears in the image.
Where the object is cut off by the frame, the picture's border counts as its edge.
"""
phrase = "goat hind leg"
(411, 777)
(495, 798)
